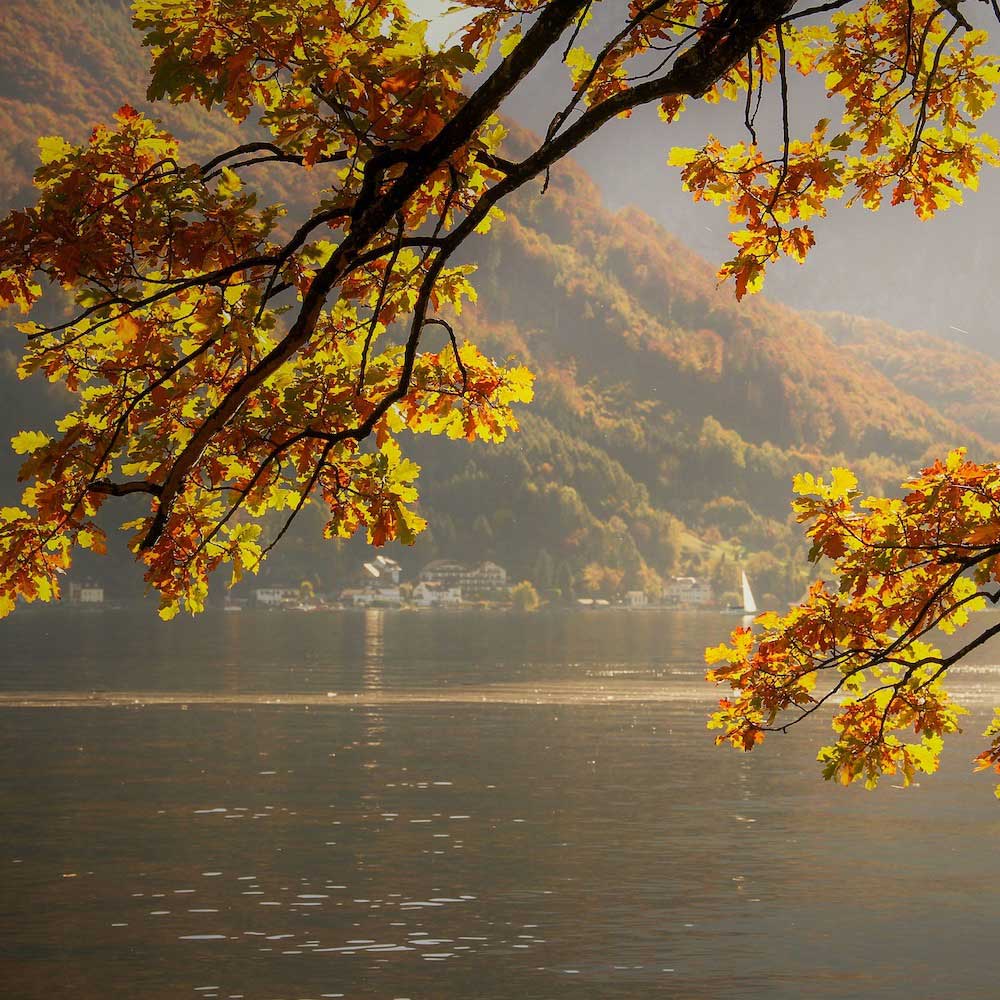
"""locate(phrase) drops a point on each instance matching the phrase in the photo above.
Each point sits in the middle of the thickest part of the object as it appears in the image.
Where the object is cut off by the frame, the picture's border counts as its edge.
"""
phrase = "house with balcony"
(484, 578)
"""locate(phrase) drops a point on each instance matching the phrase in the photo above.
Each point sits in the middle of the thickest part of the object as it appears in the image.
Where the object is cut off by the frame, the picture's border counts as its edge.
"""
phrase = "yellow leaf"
(28, 441)
(804, 484)
(510, 42)
(717, 654)
(169, 610)
(843, 481)
(230, 183)
(681, 156)
(579, 61)
(53, 148)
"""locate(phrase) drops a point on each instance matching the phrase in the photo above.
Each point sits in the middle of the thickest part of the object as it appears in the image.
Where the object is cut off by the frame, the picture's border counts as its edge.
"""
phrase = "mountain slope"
(957, 381)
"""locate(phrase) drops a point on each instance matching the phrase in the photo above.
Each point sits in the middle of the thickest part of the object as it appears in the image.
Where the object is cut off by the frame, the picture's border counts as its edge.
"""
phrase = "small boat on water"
(749, 606)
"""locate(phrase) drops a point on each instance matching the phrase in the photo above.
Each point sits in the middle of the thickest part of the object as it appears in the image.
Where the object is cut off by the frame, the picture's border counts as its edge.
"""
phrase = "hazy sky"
(936, 275)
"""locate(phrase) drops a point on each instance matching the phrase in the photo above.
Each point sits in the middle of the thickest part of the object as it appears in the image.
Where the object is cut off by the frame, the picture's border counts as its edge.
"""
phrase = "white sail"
(749, 604)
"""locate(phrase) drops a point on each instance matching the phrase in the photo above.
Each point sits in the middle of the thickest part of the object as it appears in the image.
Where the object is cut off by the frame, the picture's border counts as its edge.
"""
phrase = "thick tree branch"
(368, 221)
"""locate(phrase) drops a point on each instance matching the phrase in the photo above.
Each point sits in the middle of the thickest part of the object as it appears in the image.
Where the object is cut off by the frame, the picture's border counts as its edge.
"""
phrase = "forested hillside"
(669, 419)
(959, 382)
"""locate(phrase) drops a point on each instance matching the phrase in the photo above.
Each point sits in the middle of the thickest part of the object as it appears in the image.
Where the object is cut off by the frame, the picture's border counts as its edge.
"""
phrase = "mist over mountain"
(669, 418)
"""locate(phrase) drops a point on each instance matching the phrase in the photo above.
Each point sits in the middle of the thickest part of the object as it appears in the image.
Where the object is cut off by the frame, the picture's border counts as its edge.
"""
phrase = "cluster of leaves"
(907, 567)
(178, 347)
(914, 80)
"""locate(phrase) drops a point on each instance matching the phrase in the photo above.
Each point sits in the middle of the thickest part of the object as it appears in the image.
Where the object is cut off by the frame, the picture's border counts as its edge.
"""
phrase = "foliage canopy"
(227, 361)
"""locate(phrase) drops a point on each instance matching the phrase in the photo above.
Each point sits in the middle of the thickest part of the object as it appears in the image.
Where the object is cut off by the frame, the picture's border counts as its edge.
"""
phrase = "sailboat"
(749, 606)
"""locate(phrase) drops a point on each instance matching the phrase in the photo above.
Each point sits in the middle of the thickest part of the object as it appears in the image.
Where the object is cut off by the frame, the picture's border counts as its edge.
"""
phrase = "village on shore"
(443, 583)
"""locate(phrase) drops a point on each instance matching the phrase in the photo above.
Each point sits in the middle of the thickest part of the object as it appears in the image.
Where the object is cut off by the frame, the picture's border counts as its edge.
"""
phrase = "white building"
(445, 572)
(487, 577)
(373, 597)
(436, 595)
(636, 599)
(86, 593)
(381, 585)
(688, 591)
(272, 597)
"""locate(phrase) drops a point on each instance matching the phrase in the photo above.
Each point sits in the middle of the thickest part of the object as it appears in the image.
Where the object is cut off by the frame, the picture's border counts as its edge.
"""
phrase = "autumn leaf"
(29, 441)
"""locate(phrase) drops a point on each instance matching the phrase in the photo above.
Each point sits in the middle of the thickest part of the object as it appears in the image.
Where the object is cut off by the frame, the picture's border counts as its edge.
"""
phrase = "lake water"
(434, 805)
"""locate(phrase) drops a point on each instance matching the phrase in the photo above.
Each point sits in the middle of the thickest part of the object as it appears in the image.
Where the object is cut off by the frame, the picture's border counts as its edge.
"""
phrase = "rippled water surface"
(455, 805)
